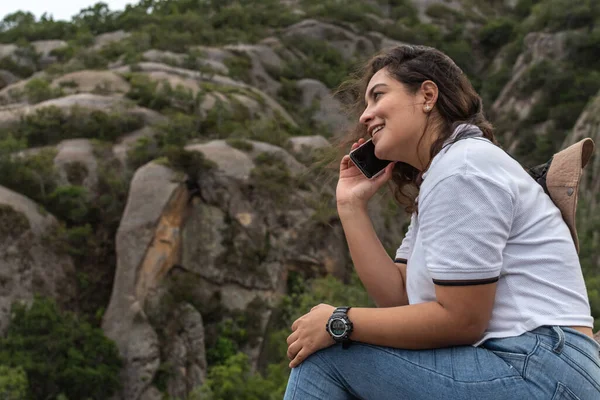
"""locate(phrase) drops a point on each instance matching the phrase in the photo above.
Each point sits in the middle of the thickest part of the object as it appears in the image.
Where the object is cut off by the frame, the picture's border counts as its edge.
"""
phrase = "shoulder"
(470, 160)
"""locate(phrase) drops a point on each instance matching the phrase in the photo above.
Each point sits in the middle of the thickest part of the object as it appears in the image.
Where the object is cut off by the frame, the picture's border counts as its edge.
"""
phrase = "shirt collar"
(464, 130)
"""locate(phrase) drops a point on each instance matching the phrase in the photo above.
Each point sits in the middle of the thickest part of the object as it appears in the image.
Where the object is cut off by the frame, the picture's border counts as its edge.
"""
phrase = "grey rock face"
(29, 264)
(7, 78)
(89, 101)
(328, 109)
(510, 104)
(347, 43)
(92, 81)
(125, 321)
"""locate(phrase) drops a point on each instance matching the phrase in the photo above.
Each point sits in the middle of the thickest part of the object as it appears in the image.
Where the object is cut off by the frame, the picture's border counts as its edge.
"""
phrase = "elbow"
(471, 331)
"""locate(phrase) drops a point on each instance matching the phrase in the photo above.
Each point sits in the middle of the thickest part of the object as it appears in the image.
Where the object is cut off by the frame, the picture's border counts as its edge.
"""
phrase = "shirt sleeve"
(403, 252)
(464, 223)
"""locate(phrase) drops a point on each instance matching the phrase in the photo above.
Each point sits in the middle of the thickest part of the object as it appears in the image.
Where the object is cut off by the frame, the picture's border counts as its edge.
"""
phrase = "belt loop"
(561, 339)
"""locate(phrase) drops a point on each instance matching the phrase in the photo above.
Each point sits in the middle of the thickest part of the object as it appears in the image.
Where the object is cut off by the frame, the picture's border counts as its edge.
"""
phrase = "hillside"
(166, 193)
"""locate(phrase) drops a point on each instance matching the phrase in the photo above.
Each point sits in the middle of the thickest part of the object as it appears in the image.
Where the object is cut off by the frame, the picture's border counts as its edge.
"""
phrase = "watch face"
(338, 327)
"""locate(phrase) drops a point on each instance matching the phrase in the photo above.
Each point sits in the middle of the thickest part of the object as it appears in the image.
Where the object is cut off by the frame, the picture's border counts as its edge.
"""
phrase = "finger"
(355, 145)
(292, 338)
(346, 163)
(361, 141)
(387, 174)
(295, 324)
(293, 350)
(300, 356)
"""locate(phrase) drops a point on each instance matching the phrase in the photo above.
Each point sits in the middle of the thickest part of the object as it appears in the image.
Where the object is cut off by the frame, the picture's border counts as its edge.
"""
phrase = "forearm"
(380, 276)
(419, 326)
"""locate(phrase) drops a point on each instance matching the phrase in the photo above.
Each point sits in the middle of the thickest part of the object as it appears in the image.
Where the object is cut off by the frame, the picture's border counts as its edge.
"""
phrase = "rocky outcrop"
(513, 105)
(76, 163)
(148, 244)
(187, 79)
(88, 81)
(30, 264)
(326, 109)
(88, 101)
(263, 59)
(109, 37)
(346, 42)
(44, 49)
(179, 60)
(7, 78)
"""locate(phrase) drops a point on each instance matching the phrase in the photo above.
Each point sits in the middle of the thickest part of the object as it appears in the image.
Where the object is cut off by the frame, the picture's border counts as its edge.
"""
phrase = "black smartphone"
(364, 158)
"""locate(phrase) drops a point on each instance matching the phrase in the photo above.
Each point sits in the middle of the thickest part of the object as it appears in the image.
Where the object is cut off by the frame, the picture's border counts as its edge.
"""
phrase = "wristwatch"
(340, 327)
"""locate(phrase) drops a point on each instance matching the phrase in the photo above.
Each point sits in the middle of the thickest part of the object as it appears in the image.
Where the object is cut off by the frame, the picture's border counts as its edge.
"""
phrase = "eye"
(376, 95)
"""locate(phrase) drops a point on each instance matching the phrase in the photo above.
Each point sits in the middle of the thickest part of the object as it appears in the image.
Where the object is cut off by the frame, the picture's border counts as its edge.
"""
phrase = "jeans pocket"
(563, 393)
(514, 351)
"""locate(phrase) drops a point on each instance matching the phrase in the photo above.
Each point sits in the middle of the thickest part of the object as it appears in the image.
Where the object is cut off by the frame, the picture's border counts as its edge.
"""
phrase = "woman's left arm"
(459, 317)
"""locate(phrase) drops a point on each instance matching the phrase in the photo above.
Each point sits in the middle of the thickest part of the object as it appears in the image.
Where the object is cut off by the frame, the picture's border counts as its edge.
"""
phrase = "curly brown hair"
(457, 103)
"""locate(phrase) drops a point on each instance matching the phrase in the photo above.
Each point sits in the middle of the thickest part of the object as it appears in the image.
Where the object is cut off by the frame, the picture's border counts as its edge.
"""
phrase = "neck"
(431, 132)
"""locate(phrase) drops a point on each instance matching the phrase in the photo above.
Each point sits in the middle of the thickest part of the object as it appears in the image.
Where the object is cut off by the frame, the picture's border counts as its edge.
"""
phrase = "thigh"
(375, 372)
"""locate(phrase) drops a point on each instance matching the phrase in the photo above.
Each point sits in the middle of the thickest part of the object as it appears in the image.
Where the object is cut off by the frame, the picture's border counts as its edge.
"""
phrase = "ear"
(429, 92)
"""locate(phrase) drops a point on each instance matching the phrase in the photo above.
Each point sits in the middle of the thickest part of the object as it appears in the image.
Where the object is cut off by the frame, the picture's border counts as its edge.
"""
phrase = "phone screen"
(364, 158)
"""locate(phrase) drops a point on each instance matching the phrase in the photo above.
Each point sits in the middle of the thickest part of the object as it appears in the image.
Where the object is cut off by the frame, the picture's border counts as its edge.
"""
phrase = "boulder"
(109, 37)
(17, 55)
(178, 60)
(147, 242)
(264, 59)
(230, 162)
(89, 101)
(307, 143)
(346, 42)
(76, 163)
(166, 70)
(327, 110)
(30, 265)
(45, 47)
(127, 142)
(511, 106)
(7, 78)
(88, 81)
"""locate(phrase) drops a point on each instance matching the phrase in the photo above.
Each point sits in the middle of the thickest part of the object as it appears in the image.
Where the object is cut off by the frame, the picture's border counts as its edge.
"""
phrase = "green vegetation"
(60, 354)
(13, 383)
(50, 125)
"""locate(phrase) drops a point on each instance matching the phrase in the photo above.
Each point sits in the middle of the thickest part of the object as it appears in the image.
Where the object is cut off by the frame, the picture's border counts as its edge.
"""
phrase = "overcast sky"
(60, 9)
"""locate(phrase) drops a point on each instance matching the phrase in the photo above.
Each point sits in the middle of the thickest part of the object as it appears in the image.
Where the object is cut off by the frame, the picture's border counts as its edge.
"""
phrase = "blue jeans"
(549, 363)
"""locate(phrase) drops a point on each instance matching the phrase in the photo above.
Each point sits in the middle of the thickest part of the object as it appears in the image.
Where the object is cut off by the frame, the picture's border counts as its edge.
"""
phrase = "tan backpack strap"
(563, 179)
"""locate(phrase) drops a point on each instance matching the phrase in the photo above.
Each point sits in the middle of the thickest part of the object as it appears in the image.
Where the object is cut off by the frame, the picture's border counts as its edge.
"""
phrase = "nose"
(366, 117)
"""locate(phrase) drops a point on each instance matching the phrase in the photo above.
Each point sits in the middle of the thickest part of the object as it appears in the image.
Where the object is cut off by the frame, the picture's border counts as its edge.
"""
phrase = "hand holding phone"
(365, 160)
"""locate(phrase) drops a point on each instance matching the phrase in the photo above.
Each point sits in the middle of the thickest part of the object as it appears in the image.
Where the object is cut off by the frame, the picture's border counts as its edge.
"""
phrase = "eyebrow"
(370, 93)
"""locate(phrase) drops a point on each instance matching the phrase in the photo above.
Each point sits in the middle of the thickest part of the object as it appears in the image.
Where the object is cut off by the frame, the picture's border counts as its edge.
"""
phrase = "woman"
(486, 298)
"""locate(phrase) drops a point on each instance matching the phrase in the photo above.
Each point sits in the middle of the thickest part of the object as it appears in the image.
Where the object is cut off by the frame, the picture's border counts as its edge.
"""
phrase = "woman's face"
(394, 118)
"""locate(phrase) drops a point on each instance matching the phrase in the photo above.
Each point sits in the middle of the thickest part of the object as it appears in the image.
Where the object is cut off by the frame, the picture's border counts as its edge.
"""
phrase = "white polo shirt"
(482, 218)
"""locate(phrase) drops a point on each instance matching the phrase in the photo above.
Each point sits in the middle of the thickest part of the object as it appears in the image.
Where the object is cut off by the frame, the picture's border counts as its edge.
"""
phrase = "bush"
(60, 353)
(562, 15)
(496, 33)
(38, 90)
(323, 62)
(13, 383)
(50, 125)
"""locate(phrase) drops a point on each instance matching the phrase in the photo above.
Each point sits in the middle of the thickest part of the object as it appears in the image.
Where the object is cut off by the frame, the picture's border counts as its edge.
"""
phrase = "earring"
(427, 107)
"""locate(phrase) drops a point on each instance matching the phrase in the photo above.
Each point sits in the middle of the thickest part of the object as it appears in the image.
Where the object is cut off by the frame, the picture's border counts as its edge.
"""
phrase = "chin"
(379, 153)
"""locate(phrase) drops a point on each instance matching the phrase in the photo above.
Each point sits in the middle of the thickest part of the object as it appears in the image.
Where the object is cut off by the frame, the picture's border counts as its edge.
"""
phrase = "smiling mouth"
(376, 131)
